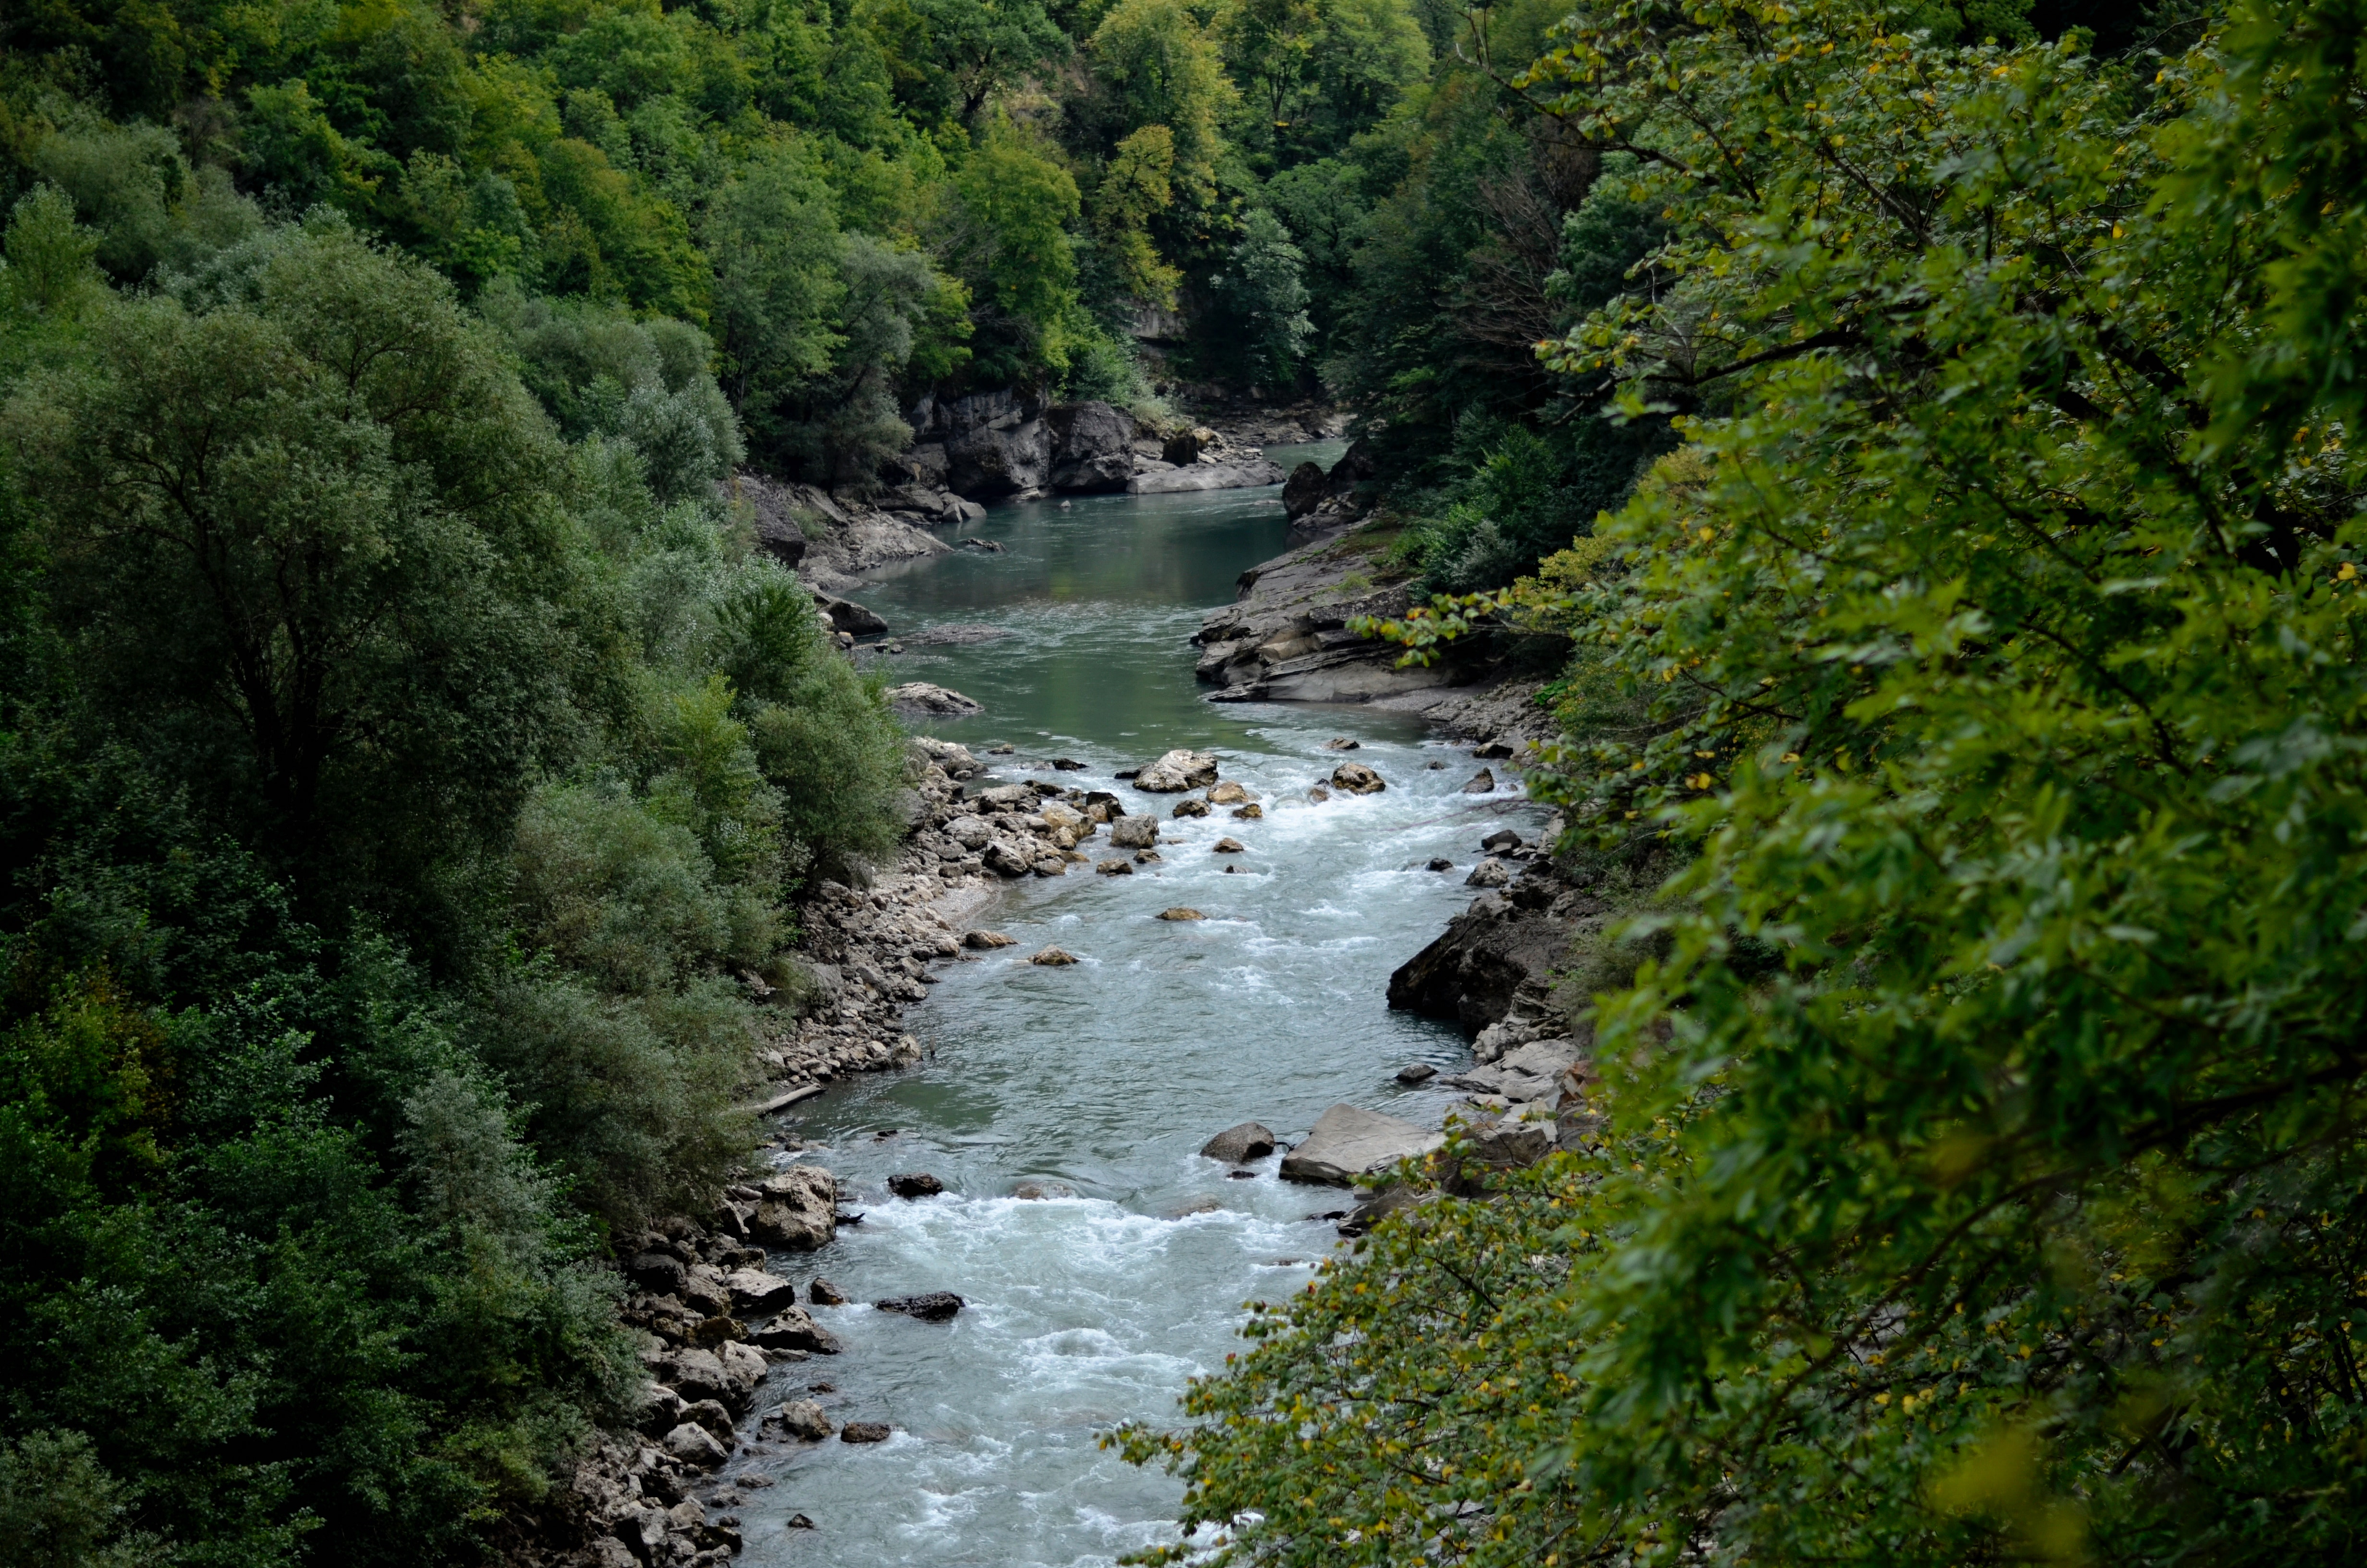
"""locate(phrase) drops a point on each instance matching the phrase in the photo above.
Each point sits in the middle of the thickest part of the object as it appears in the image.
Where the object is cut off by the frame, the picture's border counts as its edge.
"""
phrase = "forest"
(1918, 435)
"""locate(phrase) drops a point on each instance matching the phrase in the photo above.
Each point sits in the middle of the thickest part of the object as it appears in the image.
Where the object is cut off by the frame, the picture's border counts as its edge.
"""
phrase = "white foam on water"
(1087, 1311)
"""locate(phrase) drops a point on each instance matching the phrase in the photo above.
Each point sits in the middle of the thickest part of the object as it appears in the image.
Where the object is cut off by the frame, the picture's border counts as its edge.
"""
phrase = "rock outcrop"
(1496, 961)
(1286, 638)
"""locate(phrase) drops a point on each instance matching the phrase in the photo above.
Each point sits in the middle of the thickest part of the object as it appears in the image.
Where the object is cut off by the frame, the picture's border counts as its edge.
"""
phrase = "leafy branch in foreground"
(2000, 633)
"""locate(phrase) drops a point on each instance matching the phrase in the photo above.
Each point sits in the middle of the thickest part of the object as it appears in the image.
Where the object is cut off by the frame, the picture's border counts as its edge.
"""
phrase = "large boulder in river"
(1093, 448)
(798, 1208)
(921, 697)
(1177, 771)
(1349, 1141)
(1357, 778)
(1238, 1145)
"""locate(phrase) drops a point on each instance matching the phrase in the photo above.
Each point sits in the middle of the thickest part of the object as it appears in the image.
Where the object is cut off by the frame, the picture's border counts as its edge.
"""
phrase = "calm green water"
(1108, 1075)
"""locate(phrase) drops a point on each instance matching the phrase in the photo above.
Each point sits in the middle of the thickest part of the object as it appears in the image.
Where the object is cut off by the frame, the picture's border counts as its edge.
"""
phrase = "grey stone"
(1207, 476)
(864, 1432)
(1093, 448)
(661, 1411)
(915, 1184)
(657, 1273)
(823, 1293)
(1488, 873)
(921, 696)
(1305, 490)
(1191, 806)
(1007, 860)
(710, 1413)
(1482, 783)
(1349, 1141)
(1356, 779)
(1037, 1191)
(1416, 1073)
(848, 616)
(1137, 832)
(795, 1329)
(1491, 954)
(984, 940)
(1179, 913)
(1053, 958)
(802, 1418)
(798, 1208)
(1238, 1145)
(753, 1287)
(695, 1445)
(929, 1306)
(1177, 771)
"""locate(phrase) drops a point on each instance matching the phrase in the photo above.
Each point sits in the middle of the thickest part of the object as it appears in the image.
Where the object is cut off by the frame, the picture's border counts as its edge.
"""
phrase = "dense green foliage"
(1982, 1178)
(399, 763)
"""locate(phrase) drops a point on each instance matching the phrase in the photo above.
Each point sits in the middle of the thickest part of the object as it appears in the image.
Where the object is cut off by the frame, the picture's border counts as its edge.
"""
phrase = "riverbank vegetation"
(1982, 1175)
(394, 793)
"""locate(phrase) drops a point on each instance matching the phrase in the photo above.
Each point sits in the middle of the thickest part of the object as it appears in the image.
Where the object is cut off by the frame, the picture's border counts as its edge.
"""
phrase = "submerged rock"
(1038, 1191)
(1349, 1141)
(915, 1184)
(1181, 913)
(929, 1306)
(1053, 958)
(1238, 1145)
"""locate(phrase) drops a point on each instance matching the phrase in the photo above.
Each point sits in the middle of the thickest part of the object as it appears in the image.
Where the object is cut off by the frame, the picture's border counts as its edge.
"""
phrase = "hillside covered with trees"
(1925, 429)
(1964, 726)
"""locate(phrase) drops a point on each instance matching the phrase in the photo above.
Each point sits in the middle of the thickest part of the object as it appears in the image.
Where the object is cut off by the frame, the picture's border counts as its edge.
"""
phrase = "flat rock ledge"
(1349, 1141)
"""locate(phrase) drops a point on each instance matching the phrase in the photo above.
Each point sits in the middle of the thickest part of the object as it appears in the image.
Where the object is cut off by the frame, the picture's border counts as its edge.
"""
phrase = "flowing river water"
(1107, 1076)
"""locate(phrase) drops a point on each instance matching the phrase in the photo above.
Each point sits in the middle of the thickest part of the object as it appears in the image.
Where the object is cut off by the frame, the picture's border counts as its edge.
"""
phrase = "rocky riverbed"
(740, 1360)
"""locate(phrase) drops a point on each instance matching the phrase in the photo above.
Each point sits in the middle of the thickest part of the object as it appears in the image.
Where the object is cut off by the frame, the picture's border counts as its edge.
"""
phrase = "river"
(1109, 1075)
